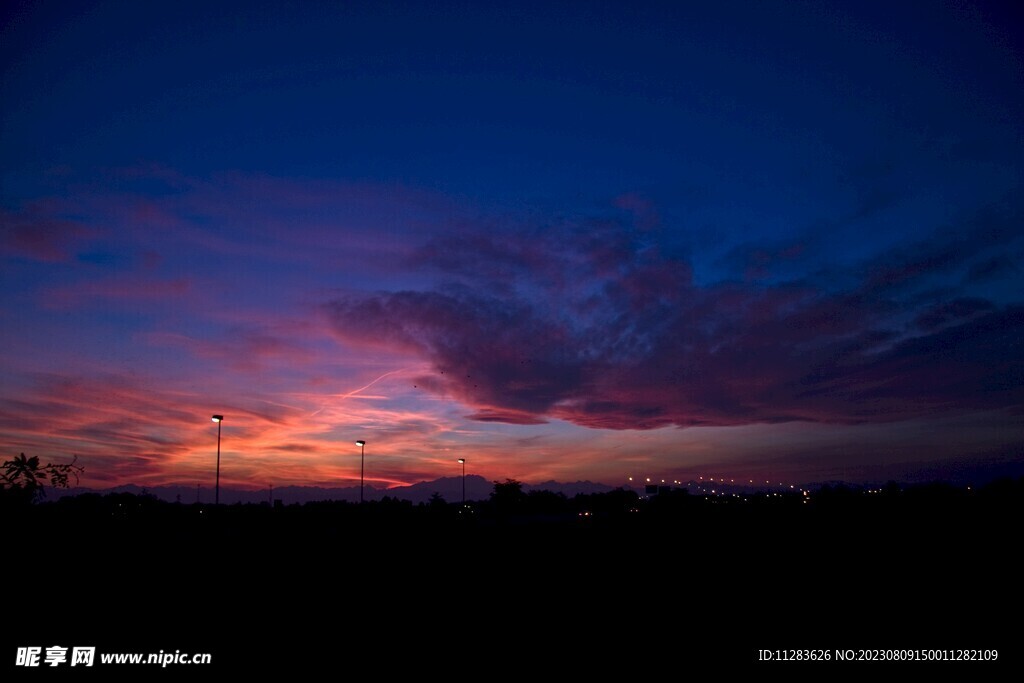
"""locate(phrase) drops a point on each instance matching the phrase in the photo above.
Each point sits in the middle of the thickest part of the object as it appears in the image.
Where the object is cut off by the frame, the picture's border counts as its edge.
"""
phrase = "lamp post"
(216, 496)
(362, 468)
(462, 461)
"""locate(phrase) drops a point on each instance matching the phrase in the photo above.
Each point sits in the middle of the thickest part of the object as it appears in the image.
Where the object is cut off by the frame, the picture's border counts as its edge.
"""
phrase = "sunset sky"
(562, 240)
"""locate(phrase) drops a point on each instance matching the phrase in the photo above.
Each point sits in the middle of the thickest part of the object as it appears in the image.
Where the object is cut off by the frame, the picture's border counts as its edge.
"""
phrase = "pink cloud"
(129, 288)
(39, 232)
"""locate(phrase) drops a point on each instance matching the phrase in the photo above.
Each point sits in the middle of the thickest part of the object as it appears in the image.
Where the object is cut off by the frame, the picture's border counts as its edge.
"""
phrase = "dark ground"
(680, 585)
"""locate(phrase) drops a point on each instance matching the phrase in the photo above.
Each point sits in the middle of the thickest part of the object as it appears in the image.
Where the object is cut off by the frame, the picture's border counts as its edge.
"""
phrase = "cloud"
(39, 232)
(952, 311)
(594, 324)
(761, 261)
(241, 348)
(127, 428)
(993, 268)
(506, 416)
(523, 358)
(189, 219)
(140, 290)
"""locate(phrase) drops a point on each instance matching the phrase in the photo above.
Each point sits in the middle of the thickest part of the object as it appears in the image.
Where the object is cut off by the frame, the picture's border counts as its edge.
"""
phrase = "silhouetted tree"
(619, 501)
(547, 502)
(508, 496)
(25, 479)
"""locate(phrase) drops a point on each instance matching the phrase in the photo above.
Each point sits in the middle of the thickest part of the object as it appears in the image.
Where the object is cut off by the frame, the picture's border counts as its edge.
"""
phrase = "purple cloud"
(38, 232)
(596, 325)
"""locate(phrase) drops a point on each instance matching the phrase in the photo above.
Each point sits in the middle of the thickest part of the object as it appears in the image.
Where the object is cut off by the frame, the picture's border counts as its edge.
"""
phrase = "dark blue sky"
(573, 239)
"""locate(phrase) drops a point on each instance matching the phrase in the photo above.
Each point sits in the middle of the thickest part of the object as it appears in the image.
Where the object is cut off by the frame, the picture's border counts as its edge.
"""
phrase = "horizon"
(480, 488)
(761, 241)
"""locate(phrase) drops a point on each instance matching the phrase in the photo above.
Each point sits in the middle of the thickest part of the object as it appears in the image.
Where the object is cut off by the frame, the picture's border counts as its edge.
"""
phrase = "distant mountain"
(449, 488)
(570, 489)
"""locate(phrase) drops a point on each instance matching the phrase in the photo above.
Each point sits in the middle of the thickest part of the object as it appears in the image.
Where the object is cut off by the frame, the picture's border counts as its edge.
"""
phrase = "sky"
(570, 241)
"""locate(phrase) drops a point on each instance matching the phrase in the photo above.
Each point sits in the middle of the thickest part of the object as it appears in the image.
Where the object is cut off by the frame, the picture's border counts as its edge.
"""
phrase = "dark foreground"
(643, 588)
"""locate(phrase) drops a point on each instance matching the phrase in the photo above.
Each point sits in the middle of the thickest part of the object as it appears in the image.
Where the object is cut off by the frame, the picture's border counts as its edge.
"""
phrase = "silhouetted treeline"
(509, 504)
(774, 569)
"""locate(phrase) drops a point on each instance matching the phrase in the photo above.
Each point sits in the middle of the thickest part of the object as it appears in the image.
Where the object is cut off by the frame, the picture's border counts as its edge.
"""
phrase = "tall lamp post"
(462, 461)
(216, 496)
(362, 467)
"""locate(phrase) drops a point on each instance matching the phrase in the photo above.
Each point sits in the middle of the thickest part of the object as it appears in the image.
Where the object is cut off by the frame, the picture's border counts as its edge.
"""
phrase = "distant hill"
(569, 489)
(450, 488)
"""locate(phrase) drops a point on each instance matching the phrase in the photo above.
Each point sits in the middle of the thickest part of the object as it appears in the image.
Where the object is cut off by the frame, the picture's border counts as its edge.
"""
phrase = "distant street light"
(216, 496)
(362, 469)
(462, 461)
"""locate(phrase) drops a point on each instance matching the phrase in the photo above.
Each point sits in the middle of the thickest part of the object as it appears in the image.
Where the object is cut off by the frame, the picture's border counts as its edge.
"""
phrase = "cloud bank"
(599, 324)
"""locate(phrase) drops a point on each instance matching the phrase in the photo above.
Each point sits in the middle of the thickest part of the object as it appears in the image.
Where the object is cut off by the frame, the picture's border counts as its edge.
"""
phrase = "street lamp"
(362, 463)
(462, 461)
(216, 496)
